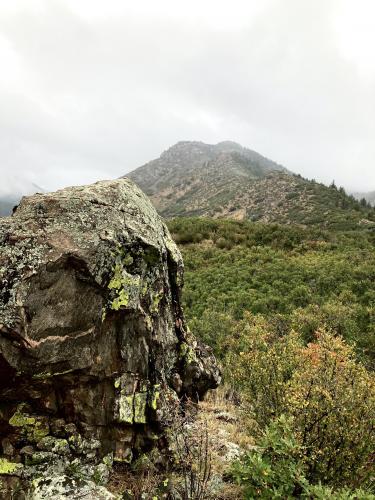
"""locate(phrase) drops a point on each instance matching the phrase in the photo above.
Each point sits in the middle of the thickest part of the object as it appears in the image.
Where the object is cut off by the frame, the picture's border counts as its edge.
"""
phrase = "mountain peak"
(229, 180)
(185, 160)
(193, 166)
(229, 146)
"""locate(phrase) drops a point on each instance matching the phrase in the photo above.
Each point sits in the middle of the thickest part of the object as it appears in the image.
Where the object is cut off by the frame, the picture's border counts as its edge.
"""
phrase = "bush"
(276, 469)
(338, 317)
(329, 394)
(224, 243)
(212, 327)
(332, 398)
(261, 364)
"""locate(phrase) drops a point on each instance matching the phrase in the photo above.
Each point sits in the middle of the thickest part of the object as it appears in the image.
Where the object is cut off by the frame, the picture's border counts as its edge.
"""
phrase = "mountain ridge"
(192, 178)
(186, 157)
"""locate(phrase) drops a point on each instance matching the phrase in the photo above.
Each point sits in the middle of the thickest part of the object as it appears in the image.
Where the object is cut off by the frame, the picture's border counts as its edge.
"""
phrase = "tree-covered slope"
(290, 313)
(297, 278)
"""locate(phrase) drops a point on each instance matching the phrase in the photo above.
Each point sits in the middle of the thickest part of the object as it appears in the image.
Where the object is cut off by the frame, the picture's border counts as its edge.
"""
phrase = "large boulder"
(93, 344)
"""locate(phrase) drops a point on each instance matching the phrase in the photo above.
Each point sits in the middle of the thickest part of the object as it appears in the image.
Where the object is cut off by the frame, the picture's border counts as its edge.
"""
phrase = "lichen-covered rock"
(93, 344)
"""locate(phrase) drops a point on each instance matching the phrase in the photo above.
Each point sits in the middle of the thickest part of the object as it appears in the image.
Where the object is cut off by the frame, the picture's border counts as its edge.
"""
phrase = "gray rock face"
(93, 344)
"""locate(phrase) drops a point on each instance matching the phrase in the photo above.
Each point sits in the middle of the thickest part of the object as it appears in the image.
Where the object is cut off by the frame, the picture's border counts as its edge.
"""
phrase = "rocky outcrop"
(93, 344)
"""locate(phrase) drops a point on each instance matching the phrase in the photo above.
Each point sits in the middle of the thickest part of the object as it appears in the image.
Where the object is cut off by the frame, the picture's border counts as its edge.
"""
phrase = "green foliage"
(327, 393)
(332, 398)
(276, 469)
(291, 314)
(320, 492)
(260, 364)
(213, 327)
(300, 279)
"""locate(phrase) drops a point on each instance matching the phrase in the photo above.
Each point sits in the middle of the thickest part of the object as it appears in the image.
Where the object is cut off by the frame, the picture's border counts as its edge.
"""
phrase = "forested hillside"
(296, 278)
(290, 312)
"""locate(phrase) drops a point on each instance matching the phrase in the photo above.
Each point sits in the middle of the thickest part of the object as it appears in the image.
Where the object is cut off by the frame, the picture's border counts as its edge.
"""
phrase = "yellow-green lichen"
(126, 409)
(127, 260)
(140, 405)
(20, 419)
(108, 460)
(124, 285)
(55, 445)
(155, 301)
(183, 349)
(42, 376)
(155, 395)
(9, 468)
(116, 281)
(122, 300)
(39, 431)
(117, 383)
(143, 386)
(76, 442)
(32, 428)
(74, 438)
(132, 408)
(123, 460)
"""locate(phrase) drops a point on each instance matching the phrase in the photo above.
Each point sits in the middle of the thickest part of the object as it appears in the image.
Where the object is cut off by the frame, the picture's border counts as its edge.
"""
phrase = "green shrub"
(336, 316)
(329, 395)
(261, 364)
(276, 468)
(309, 277)
(332, 399)
(224, 243)
(292, 280)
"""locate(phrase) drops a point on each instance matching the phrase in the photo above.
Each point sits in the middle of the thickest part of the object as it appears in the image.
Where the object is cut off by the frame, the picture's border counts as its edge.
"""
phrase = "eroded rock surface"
(93, 344)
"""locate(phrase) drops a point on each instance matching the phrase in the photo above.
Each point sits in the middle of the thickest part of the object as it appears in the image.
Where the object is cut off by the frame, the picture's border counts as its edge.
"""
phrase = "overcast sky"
(91, 89)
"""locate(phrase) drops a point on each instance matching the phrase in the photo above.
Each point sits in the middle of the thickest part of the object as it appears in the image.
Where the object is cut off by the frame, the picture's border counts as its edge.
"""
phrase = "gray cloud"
(91, 90)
